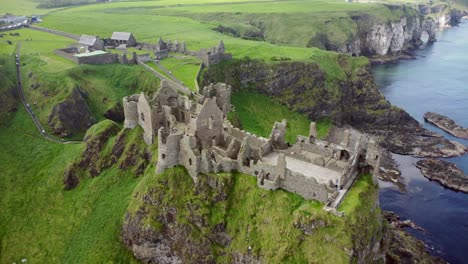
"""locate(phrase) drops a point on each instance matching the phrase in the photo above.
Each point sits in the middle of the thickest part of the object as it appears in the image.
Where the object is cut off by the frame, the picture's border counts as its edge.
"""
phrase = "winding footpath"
(27, 106)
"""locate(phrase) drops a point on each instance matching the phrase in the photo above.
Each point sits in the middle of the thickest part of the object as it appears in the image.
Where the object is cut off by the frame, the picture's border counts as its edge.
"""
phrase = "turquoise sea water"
(436, 81)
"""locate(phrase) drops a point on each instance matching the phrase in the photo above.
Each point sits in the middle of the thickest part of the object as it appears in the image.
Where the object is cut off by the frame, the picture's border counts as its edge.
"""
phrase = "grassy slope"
(184, 68)
(258, 113)
(196, 34)
(21, 7)
(192, 21)
(106, 85)
(7, 86)
(45, 224)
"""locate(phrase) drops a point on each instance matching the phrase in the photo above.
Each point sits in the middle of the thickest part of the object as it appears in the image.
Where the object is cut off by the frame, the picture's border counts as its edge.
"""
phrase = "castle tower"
(161, 44)
(220, 48)
(130, 105)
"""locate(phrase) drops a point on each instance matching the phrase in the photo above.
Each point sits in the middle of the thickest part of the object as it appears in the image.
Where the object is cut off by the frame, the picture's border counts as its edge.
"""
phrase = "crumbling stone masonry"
(214, 55)
(195, 133)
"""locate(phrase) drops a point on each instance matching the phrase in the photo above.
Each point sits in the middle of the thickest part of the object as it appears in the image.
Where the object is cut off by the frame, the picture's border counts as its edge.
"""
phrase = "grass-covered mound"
(45, 224)
(226, 217)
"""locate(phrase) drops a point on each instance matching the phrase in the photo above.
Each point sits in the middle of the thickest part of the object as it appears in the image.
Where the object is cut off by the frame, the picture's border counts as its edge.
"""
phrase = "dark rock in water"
(446, 124)
(445, 173)
(401, 247)
(71, 116)
(421, 144)
(115, 113)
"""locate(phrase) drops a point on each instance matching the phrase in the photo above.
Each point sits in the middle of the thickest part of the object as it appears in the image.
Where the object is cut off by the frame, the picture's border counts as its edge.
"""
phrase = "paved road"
(27, 106)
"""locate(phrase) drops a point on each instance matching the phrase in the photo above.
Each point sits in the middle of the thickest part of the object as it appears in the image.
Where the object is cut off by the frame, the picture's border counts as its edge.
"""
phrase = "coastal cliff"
(389, 38)
(394, 38)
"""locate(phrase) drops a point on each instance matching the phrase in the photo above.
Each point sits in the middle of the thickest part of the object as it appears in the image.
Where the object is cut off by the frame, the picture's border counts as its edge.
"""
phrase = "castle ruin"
(195, 133)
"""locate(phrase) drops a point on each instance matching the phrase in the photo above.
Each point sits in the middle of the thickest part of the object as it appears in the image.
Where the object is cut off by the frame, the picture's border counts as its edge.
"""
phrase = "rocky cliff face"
(226, 218)
(390, 38)
(394, 37)
(355, 101)
(443, 16)
(71, 116)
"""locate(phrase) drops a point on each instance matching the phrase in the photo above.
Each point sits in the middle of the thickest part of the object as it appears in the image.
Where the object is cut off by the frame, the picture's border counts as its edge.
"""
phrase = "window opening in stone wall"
(210, 123)
(142, 116)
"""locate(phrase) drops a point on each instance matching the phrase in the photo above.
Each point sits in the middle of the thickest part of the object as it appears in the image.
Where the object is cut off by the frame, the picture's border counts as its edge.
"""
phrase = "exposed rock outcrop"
(70, 178)
(177, 230)
(115, 113)
(446, 124)
(95, 142)
(128, 152)
(445, 173)
(389, 38)
(303, 87)
(394, 38)
(71, 116)
(400, 247)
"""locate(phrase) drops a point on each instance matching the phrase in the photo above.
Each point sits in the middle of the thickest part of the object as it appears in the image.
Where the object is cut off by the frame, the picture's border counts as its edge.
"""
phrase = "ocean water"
(436, 81)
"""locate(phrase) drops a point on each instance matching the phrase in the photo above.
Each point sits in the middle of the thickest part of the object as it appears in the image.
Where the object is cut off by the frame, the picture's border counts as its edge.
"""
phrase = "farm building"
(90, 43)
(127, 38)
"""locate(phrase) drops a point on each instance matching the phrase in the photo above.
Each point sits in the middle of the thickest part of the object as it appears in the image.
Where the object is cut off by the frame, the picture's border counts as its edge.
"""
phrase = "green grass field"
(258, 113)
(173, 23)
(286, 24)
(184, 68)
(43, 223)
(22, 7)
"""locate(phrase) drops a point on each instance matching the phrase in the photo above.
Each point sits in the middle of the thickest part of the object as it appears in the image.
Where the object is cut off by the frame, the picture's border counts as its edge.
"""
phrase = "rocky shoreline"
(400, 246)
(445, 173)
(446, 124)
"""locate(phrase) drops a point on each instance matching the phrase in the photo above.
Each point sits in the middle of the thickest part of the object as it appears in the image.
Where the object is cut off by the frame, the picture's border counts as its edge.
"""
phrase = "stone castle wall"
(107, 58)
(68, 53)
(130, 106)
(196, 135)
